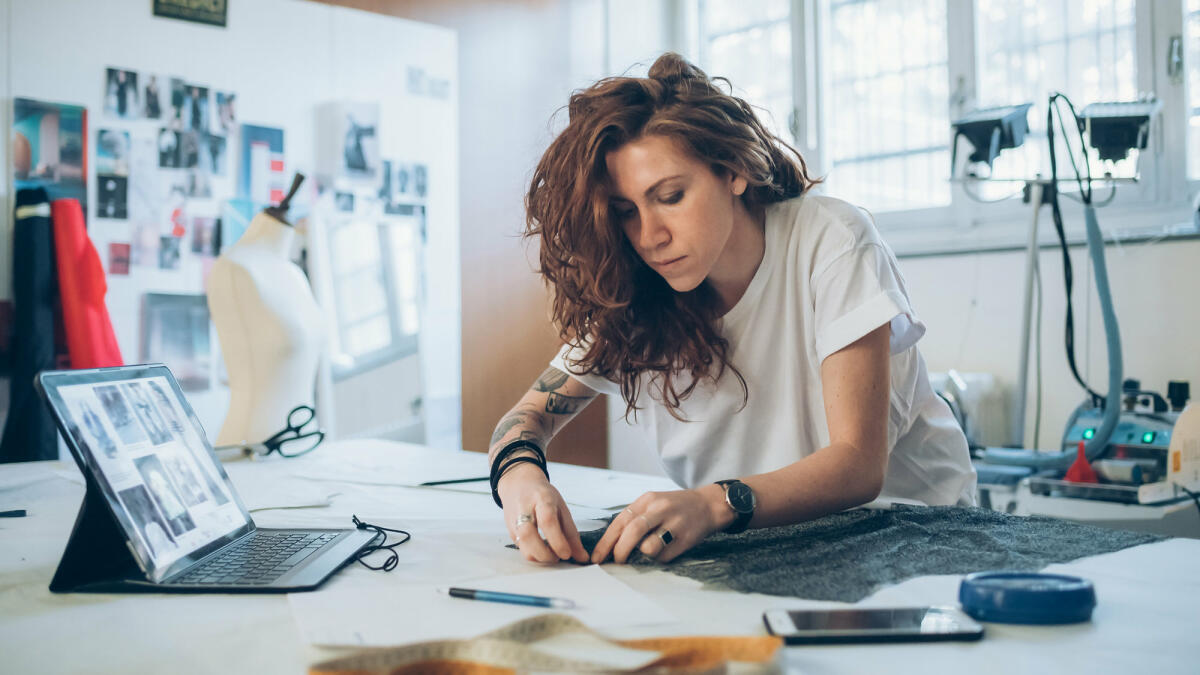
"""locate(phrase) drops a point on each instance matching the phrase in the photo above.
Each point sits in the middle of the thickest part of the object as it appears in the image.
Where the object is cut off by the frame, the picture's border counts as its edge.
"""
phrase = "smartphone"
(899, 624)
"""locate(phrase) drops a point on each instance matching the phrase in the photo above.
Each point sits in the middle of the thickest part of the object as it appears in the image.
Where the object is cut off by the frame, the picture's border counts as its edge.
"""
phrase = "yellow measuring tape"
(514, 646)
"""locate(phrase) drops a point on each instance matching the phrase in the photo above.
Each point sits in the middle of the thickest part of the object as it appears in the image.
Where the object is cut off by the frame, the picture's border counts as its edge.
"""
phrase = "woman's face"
(676, 212)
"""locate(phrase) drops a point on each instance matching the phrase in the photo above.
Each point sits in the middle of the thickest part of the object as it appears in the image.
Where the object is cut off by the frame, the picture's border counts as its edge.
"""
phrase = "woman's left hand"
(659, 524)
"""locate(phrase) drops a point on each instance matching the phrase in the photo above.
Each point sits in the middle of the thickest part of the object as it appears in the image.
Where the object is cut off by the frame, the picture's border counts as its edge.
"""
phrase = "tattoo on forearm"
(506, 426)
(565, 405)
(550, 380)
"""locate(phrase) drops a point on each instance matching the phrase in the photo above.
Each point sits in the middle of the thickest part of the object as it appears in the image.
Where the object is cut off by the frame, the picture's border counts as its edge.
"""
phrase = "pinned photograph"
(112, 152)
(143, 247)
(152, 97)
(195, 108)
(189, 149)
(204, 236)
(360, 140)
(119, 255)
(344, 201)
(198, 184)
(148, 519)
(49, 144)
(121, 93)
(420, 180)
(261, 178)
(165, 494)
(226, 111)
(214, 154)
(168, 252)
(178, 99)
(112, 197)
(168, 149)
(120, 415)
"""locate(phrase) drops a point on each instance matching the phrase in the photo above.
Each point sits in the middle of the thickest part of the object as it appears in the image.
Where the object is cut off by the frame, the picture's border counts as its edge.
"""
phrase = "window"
(738, 38)
(1027, 50)
(886, 81)
(375, 276)
(874, 85)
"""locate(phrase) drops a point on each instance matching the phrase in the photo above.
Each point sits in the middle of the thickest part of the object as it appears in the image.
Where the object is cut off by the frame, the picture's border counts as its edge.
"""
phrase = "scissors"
(292, 440)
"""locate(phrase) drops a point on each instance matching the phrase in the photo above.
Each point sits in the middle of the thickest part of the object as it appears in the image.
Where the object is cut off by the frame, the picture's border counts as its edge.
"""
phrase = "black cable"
(1195, 497)
(1056, 213)
(393, 558)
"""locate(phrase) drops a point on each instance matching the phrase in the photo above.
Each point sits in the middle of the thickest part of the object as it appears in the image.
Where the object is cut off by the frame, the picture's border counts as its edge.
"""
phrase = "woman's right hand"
(537, 517)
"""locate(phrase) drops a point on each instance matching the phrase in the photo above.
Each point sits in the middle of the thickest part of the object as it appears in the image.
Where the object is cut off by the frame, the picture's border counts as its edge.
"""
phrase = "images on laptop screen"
(169, 493)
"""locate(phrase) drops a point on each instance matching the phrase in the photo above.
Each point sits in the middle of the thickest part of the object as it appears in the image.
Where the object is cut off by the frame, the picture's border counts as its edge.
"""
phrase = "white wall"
(972, 306)
(282, 58)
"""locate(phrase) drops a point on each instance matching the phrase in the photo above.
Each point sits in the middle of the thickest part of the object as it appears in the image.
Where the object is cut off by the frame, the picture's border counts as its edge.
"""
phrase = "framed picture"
(175, 332)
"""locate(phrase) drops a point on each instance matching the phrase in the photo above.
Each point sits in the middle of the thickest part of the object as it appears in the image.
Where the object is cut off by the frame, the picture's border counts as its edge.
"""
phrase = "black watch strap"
(742, 521)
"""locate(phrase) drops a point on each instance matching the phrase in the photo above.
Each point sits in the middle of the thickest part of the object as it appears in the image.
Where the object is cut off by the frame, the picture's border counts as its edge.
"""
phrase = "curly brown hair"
(607, 302)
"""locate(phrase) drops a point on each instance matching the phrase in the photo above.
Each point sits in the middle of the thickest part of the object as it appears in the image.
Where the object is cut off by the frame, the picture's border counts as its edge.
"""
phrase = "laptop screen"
(135, 433)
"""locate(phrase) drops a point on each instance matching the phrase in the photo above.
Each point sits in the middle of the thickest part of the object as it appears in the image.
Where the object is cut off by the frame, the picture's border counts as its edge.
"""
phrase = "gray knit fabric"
(847, 556)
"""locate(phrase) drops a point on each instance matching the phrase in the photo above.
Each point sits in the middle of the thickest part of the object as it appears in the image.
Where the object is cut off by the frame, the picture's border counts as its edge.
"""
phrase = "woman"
(761, 336)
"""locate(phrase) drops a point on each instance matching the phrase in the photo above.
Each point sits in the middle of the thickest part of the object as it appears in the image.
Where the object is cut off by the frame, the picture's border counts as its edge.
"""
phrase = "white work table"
(1145, 621)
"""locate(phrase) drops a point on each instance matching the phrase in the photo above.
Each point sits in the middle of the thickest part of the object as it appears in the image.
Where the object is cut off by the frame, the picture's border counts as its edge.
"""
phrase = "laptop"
(154, 481)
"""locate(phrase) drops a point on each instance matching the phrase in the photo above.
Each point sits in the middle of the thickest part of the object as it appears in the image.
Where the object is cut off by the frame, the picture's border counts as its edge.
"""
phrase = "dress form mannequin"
(269, 325)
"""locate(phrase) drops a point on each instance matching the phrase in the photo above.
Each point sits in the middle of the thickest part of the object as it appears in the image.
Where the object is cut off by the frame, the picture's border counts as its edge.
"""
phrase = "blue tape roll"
(1027, 597)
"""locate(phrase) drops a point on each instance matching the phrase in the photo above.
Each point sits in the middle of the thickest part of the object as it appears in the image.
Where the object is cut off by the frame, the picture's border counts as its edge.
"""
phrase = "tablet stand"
(97, 558)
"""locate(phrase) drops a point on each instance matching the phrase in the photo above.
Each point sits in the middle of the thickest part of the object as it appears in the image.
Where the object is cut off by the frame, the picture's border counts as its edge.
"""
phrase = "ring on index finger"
(524, 518)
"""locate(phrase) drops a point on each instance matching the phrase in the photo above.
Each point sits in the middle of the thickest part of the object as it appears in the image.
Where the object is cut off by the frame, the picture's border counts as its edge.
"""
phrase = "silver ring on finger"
(665, 536)
(524, 518)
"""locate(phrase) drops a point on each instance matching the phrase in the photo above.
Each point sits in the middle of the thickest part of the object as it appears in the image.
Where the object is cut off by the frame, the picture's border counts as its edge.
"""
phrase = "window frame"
(401, 344)
(1162, 197)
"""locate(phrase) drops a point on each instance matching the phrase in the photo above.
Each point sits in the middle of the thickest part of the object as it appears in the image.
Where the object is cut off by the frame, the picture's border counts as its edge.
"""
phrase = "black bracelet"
(519, 460)
(498, 465)
(515, 446)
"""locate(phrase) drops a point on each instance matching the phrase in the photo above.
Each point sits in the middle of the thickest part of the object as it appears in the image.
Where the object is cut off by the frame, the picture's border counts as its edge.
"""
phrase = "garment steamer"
(1129, 445)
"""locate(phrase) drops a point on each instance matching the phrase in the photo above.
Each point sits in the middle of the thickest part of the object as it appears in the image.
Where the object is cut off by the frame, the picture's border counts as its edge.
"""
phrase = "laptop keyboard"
(261, 559)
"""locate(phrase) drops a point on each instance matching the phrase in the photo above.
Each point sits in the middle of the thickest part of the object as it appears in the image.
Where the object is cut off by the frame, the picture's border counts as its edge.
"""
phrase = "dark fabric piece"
(847, 556)
(29, 432)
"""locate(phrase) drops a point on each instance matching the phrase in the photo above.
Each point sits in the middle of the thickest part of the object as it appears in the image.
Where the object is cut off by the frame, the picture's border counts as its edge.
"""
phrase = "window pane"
(749, 43)
(734, 15)
(888, 125)
(1192, 59)
(1027, 50)
(406, 274)
(368, 336)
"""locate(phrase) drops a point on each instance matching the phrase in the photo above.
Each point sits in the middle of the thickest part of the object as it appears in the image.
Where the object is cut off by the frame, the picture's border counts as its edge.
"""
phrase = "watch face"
(741, 497)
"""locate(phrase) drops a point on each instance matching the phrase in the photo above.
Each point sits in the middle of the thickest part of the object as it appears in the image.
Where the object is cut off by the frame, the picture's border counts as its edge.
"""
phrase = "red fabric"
(81, 285)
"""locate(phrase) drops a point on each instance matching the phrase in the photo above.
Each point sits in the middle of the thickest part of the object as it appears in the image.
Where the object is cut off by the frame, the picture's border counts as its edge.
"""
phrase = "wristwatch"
(740, 498)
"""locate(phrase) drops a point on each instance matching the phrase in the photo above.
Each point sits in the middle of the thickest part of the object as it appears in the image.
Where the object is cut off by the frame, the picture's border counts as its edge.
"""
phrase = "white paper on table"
(592, 488)
(398, 615)
(289, 496)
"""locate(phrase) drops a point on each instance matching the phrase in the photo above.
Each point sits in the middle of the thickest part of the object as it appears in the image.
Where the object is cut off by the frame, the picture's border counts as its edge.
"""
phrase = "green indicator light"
(1148, 437)
(1088, 433)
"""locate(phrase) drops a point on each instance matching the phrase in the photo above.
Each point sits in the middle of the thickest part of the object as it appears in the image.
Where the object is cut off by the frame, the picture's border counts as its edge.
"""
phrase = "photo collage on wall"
(162, 165)
(364, 182)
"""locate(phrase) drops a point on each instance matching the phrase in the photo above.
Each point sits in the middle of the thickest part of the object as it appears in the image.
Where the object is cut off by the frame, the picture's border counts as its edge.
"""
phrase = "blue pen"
(513, 598)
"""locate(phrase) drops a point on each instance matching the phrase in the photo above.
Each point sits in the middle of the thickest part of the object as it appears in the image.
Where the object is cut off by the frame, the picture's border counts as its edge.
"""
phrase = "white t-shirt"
(826, 280)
